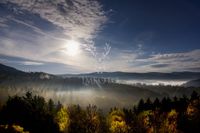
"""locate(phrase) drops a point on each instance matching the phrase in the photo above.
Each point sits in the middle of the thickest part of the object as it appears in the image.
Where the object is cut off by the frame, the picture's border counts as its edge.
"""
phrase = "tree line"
(33, 114)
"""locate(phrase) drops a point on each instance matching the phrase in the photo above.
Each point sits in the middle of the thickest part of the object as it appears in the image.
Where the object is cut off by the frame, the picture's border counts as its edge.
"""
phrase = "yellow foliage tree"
(117, 123)
(12, 129)
(145, 121)
(193, 109)
(62, 119)
(169, 125)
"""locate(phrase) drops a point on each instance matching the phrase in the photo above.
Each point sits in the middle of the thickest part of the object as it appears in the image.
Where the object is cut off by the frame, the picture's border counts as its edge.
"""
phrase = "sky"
(82, 36)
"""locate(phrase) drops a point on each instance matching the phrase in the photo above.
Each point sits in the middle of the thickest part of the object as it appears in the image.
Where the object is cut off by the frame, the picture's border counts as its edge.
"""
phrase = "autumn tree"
(145, 122)
(169, 124)
(12, 129)
(92, 119)
(62, 119)
(116, 122)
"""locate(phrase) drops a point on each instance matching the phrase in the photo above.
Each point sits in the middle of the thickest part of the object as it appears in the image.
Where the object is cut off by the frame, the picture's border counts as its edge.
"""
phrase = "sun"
(73, 48)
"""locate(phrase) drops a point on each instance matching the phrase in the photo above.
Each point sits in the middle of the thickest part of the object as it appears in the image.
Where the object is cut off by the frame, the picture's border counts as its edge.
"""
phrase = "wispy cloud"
(32, 63)
(81, 19)
(160, 65)
(183, 56)
(35, 28)
(28, 65)
(131, 61)
(3, 23)
(183, 61)
(20, 61)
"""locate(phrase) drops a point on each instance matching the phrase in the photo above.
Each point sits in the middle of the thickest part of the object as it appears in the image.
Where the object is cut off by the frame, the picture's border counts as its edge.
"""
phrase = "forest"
(34, 114)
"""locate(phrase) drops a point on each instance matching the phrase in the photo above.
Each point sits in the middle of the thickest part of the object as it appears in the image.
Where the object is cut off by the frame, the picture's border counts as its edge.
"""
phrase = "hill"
(9, 70)
(192, 83)
(85, 89)
(149, 75)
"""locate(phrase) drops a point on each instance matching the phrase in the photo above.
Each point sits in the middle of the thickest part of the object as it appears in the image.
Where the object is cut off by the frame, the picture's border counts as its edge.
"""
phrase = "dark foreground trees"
(33, 114)
(30, 112)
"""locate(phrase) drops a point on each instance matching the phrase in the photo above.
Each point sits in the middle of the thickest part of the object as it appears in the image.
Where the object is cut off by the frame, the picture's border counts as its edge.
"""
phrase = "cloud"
(20, 61)
(32, 63)
(182, 61)
(28, 65)
(39, 31)
(190, 56)
(3, 23)
(132, 61)
(160, 65)
(118, 60)
(197, 69)
(81, 19)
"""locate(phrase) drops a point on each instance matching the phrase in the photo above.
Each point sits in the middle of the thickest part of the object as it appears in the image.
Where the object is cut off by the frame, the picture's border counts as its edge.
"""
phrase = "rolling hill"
(149, 75)
(84, 89)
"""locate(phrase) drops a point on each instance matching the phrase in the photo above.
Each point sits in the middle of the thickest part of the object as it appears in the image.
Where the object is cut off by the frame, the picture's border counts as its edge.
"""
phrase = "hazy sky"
(79, 36)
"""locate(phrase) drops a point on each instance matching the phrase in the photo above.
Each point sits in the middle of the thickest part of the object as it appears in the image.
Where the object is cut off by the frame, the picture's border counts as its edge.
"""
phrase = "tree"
(193, 116)
(12, 129)
(77, 119)
(169, 125)
(145, 122)
(29, 112)
(51, 107)
(92, 119)
(62, 119)
(141, 105)
(156, 103)
(116, 122)
(194, 95)
(148, 104)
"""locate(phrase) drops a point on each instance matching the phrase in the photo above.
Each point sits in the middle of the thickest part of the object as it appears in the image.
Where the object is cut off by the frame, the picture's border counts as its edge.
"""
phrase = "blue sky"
(109, 35)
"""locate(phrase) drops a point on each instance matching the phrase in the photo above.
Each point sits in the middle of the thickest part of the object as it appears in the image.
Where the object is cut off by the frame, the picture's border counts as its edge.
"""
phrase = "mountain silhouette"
(9, 70)
(192, 83)
(133, 75)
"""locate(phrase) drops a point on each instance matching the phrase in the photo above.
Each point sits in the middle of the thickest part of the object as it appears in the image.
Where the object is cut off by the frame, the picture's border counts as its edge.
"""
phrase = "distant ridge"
(9, 70)
(13, 79)
(192, 83)
(115, 75)
(148, 75)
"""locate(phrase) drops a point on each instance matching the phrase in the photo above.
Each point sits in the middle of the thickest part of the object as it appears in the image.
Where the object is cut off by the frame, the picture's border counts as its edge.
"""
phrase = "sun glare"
(72, 48)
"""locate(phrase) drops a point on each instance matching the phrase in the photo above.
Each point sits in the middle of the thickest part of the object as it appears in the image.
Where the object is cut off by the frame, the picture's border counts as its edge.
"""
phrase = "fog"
(103, 93)
(153, 82)
(104, 96)
(83, 97)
